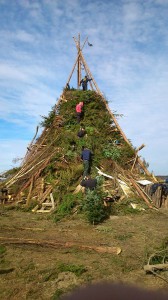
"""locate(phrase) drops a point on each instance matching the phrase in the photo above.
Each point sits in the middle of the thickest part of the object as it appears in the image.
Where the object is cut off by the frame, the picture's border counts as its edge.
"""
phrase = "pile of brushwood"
(53, 163)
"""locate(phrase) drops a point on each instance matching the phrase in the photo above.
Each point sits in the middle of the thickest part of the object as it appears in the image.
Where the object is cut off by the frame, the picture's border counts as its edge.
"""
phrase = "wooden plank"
(52, 200)
(44, 210)
(45, 194)
(46, 204)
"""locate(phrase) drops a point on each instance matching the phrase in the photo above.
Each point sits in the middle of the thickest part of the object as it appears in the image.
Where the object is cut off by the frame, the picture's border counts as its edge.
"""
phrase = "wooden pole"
(86, 67)
(79, 64)
(79, 52)
(136, 156)
(140, 192)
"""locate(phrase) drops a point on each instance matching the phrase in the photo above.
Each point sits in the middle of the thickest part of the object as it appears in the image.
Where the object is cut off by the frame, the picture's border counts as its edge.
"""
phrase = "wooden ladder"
(47, 205)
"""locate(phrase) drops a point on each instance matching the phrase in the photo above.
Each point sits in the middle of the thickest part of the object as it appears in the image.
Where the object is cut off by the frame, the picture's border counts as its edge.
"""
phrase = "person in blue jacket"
(86, 156)
(84, 82)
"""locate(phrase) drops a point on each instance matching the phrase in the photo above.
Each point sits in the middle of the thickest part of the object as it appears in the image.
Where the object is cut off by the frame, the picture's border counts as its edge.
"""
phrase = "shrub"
(66, 207)
(94, 208)
(112, 152)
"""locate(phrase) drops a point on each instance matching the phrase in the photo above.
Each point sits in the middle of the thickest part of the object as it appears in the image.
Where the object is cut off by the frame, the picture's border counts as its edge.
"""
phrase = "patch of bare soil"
(36, 270)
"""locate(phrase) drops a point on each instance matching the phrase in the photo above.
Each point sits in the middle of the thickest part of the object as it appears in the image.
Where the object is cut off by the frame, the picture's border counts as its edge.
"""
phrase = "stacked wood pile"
(51, 168)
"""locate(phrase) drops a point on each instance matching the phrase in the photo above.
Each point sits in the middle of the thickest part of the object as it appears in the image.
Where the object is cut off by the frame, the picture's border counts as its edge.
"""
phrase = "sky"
(128, 61)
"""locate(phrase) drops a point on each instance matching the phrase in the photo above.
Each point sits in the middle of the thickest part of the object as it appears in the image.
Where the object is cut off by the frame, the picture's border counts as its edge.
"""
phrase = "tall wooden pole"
(79, 64)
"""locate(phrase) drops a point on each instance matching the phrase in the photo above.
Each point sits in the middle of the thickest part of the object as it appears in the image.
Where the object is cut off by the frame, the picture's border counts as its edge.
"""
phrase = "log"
(151, 268)
(57, 244)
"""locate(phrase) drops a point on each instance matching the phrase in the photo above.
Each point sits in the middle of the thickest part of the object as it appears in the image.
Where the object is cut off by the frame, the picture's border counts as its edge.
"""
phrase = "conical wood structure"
(81, 60)
(50, 165)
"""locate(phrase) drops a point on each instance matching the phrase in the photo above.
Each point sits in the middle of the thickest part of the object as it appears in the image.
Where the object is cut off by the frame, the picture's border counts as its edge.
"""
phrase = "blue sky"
(128, 60)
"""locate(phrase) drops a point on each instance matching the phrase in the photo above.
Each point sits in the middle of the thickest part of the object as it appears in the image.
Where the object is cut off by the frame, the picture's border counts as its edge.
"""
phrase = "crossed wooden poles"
(80, 59)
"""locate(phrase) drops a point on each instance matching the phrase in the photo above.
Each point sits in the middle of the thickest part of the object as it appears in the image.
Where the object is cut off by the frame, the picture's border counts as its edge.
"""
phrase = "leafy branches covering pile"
(55, 156)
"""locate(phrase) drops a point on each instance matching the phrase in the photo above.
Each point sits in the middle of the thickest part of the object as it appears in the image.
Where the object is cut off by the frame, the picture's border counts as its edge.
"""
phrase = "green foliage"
(90, 129)
(70, 155)
(50, 178)
(126, 153)
(47, 121)
(124, 208)
(50, 168)
(94, 208)
(112, 152)
(65, 168)
(66, 207)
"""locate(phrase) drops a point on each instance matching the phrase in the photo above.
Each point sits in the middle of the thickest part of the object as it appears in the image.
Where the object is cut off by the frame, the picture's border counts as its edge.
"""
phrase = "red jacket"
(79, 107)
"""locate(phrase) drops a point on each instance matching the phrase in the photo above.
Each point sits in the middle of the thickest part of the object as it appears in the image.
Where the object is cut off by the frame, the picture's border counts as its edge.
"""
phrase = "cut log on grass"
(156, 267)
(57, 244)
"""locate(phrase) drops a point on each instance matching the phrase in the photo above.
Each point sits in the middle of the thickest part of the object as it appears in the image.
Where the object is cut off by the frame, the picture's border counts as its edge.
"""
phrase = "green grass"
(124, 237)
(78, 270)
(2, 250)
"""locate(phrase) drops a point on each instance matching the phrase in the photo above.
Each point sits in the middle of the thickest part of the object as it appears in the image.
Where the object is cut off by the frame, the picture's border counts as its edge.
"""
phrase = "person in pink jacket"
(79, 111)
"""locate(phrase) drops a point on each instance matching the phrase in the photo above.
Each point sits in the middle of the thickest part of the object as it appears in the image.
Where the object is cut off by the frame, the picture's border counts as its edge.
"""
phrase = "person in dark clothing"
(89, 183)
(86, 156)
(79, 111)
(84, 82)
(81, 132)
(73, 146)
(67, 86)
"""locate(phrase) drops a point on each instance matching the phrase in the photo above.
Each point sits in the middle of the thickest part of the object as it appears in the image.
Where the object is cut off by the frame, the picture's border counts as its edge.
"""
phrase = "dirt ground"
(32, 271)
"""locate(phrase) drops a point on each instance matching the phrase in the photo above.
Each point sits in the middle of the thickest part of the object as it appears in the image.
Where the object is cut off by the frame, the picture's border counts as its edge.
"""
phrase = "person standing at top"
(84, 82)
(79, 112)
(86, 156)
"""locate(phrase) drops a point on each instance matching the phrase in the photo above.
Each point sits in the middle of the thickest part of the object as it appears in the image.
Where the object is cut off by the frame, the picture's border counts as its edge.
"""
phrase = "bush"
(94, 208)
(112, 152)
(66, 207)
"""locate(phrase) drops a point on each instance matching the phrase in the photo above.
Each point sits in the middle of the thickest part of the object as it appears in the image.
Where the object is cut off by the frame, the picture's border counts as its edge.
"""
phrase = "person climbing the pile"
(89, 183)
(86, 156)
(79, 111)
(82, 132)
(84, 82)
